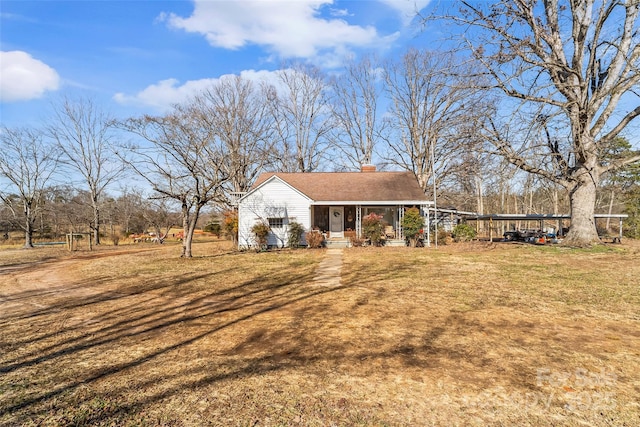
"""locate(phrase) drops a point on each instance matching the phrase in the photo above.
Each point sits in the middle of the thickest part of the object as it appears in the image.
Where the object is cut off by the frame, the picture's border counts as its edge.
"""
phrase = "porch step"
(345, 243)
(337, 243)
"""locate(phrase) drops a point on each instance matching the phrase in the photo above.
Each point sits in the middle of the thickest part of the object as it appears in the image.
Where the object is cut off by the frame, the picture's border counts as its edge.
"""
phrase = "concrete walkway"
(328, 272)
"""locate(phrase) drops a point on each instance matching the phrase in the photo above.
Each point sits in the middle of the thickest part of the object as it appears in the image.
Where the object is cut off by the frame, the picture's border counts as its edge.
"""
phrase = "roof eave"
(270, 179)
(372, 202)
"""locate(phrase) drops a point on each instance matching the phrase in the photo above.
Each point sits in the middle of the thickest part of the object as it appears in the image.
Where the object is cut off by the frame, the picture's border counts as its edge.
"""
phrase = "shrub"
(373, 228)
(314, 239)
(296, 231)
(444, 237)
(412, 224)
(213, 228)
(463, 233)
(230, 225)
(356, 241)
(261, 233)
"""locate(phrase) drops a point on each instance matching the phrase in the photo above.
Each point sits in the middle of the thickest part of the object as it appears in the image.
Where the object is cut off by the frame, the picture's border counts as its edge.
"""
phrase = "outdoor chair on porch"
(389, 232)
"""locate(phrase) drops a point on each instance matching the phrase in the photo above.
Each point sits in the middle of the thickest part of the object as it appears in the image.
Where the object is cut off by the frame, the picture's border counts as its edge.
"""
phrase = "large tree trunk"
(96, 225)
(186, 243)
(583, 201)
(28, 226)
(28, 237)
(189, 222)
(186, 238)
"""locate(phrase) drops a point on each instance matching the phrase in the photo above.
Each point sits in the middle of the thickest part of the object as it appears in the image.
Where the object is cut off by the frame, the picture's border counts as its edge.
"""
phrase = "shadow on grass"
(170, 335)
(125, 315)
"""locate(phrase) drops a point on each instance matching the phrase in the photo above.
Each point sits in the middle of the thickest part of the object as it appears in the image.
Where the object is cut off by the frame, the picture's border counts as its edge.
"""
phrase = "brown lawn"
(470, 334)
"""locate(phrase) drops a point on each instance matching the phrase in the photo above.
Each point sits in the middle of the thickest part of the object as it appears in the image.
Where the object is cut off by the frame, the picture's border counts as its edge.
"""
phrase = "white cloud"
(162, 95)
(24, 77)
(340, 12)
(291, 29)
(407, 9)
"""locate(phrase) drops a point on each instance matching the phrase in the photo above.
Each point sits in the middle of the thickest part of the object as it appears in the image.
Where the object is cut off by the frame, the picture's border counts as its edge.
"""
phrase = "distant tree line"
(476, 122)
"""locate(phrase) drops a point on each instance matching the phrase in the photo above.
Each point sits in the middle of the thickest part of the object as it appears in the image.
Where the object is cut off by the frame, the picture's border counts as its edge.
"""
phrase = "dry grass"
(466, 335)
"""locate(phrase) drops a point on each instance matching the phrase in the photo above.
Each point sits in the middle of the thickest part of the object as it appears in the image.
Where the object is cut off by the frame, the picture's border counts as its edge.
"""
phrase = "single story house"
(332, 203)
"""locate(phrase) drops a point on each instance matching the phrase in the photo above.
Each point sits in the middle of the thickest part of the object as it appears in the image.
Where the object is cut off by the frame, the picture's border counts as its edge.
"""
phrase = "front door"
(336, 221)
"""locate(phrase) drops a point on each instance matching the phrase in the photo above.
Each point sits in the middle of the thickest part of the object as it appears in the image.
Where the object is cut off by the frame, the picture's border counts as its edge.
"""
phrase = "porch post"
(428, 228)
(359, 221)
(400, 218)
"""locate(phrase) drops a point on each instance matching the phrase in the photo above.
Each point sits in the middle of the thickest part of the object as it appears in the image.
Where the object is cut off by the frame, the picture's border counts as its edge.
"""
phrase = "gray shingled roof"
(352, 186)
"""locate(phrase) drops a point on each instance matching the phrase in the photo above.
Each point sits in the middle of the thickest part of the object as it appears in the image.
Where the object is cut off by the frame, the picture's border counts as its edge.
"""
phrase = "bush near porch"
(412, 224)
(373, 228)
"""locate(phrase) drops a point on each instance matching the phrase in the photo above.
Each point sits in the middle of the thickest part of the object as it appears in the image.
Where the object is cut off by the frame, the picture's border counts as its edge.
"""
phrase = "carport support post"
(428, 229)
(491, 230)
(620, 229)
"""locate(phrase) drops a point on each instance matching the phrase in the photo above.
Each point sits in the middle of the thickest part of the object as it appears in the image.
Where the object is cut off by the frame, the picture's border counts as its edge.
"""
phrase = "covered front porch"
(339, 223)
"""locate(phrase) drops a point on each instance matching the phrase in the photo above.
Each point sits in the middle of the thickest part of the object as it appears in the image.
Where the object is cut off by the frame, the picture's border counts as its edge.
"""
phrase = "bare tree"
(160, 217)
(574, 62)
(355, 107)
(128, 210)
(6, 222)
(83, 133)
(27, 164)
(239, 116)
(184, 162)
(68, 208)
(472, 173)
(303, 118)
(429, 114)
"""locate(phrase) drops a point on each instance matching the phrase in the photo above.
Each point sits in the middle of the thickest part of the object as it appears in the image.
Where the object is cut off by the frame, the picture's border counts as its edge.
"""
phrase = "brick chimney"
(368, 168)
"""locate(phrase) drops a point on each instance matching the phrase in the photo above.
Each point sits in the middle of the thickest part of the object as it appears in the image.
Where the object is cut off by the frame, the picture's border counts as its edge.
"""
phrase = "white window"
(276, 223)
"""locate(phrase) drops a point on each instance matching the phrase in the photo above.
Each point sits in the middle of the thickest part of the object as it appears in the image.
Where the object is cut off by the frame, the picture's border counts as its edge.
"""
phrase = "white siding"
(274, 199)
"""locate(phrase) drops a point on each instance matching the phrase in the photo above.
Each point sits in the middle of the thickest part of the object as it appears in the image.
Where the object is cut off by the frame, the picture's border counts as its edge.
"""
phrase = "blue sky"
(138, 57)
